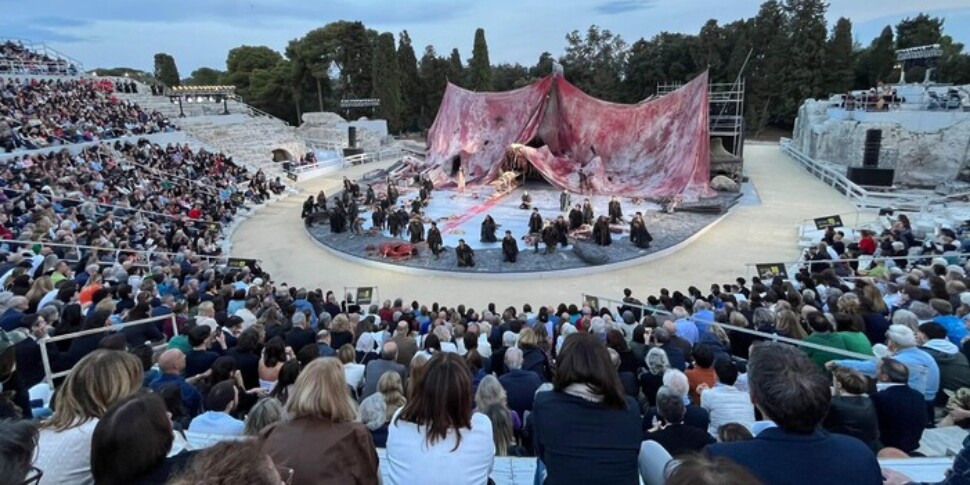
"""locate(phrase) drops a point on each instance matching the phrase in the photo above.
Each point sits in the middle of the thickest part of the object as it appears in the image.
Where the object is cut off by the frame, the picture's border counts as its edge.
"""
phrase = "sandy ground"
(765, 232)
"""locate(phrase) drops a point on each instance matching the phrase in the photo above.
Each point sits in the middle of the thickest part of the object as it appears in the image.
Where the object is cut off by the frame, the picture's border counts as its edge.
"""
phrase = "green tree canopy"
(243, 60)
(595, 62)
(205, 76)
(840, 73)
(479, 67)
(387, 81)
(412, 92)
(165, 69)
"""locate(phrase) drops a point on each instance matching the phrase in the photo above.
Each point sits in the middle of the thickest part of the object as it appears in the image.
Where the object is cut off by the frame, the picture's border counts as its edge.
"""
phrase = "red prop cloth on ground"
(654, 149)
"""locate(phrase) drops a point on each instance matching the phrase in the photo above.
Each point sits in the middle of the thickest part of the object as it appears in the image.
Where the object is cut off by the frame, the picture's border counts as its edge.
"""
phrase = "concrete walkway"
(761, 233)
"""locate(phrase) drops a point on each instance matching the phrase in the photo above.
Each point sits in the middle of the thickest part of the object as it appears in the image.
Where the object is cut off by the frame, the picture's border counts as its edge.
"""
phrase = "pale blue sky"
(109, 33)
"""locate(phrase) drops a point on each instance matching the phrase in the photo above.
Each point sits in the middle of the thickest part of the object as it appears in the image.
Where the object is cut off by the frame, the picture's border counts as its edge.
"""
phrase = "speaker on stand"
(870, 152)
(869, 174)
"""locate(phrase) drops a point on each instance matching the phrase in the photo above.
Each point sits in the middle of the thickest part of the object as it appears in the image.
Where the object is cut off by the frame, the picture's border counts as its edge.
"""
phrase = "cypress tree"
(386, 77)
(480, 76)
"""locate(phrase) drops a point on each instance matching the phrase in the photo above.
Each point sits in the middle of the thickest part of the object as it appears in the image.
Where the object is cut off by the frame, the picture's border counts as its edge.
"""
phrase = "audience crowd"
(15, 58)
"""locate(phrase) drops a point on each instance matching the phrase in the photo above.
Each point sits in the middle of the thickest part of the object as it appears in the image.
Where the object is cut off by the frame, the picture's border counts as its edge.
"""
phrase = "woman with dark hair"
(82, 346)
(131, 442)
(616, 341)
(246, 355)
(274, 356)
(18, 443)
(287, 377)
(436, 438)
(171, 394)
(586, 430)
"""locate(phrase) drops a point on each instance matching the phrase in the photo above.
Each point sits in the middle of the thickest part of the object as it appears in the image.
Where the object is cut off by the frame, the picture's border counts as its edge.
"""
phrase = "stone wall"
(332, 128)
(923, 158)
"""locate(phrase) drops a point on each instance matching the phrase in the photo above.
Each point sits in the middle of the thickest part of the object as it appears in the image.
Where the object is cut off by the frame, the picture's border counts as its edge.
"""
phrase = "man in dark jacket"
(520, 385)
(790, 390)
(30, 363)
(954, 369)
(900, 408)
(510, 248)
(434, 240)
(675, 436)
(378, 367)
(299, 336)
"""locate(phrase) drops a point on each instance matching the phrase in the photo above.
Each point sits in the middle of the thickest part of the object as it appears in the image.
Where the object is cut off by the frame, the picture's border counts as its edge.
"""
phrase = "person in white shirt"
(97, 382)
(724, 402)
(207, 315)
(353, 372)
(423, 444)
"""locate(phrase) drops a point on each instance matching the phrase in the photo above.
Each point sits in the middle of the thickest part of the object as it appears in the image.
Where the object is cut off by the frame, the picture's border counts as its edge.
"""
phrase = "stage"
(459, 216)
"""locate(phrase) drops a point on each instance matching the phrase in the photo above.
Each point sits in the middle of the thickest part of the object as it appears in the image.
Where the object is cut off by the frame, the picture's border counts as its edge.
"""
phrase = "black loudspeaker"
(871, 177)
(352, 136)
(870, 153)
(349, 152)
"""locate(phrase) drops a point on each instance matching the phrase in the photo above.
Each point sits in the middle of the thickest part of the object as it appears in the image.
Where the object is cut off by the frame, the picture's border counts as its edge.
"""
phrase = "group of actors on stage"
(386, 214)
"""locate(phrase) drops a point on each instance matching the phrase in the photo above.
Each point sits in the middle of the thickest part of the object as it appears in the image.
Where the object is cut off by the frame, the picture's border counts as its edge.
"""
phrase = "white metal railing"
(145, 253)
(49, 376)
(793, 266)
(330, 146)
(857, 195)
(727, 327)
(38, 68)
(344, 162)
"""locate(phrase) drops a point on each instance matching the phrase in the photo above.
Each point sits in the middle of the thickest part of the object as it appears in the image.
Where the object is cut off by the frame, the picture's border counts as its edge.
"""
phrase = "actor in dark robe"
(535, 222)
(428, 185)
(616, 213)
(435, 244)
(416, 206)
(488, 230)
(550, 237)
(391, 193)
(562, 228)
(394, 223)
(465, 255)
(347, 185)
(575, 218)
(378, 217)
(526, 201)
(416, 230)
(639, 235)
(370, 197)
(423, 195)
(588, 216)
(565, 200)
(307, 213)
(510, 248)
(583, 181)
(601, 232)
(338, 220)
(322, 200)
(352, 211)
(354, 189)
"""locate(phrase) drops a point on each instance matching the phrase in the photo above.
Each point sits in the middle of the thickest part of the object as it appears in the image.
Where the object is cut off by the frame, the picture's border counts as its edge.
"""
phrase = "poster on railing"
(365, 295)
(237, 264)
(592, 302)
(828, 221)
(770, 270)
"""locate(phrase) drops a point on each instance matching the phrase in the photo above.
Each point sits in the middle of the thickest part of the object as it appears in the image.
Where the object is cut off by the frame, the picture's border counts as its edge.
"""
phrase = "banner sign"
(830, 221)
(770, 270)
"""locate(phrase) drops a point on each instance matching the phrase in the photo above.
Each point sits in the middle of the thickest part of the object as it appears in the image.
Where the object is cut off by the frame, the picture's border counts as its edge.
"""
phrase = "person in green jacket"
(822, 334)
(851, 329)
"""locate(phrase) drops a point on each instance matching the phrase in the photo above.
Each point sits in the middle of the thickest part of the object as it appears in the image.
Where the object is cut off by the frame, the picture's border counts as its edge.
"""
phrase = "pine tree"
(480, 76)
(876, 62)
(434, 71)
(165, 69)
(386, 76)
(456, 69)
(411, 90)
(840, 58)
(803, 76)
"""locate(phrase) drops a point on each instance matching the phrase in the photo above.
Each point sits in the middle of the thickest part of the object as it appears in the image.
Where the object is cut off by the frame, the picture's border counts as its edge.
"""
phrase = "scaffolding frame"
(726, 111)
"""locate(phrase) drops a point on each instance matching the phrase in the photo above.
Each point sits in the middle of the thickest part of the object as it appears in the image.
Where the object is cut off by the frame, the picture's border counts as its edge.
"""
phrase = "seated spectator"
(852, 413)
(376, 368)
(246, 355)
(851, 329)
(628, 381)
(275, 354)
(702, 470)
(300, 335)
(725, 402)
(900, 408)
(18, 446)
(287, 378)
(676, 437)
(503, 434)
(30, 364)
(373, 413)
(323, 344)
(233, 462)
(823, 335)
(533, 358)
(131, 441)
(955, 329)
(789, 390)
(217, 419)
(651, 378)
(675, 355)
(491, 392)
(320, 438)
(171, 363)
(954, 369)
(353, 372)
(586, 429)
(200, 359)
(97, 382)
(265, 412)
(732, 432)
(520, 386)
(436, 438)
(702, 372)
(924, 375)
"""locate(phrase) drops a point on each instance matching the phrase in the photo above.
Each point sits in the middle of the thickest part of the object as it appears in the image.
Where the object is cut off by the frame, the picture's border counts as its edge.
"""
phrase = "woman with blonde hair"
(490, 392)
(340, 331)
(321, 438)
(353, 372)
(97, 382)
(42, 286)
(787, 325)
(391, 389)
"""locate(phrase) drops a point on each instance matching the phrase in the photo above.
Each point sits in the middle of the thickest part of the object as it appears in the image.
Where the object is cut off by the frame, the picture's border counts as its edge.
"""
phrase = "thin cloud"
(623, 6)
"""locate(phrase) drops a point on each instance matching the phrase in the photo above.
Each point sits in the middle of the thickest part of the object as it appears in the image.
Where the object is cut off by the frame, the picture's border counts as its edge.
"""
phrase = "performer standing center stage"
(461, 180)
(616, 213)
(488, 230)
(435, 243)
(565, 200)
(535, 222)
(639, 235)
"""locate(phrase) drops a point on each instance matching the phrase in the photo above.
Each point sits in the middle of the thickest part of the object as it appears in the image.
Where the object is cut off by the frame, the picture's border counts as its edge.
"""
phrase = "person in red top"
(195, 213)
(702, 372)
(867, 244)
